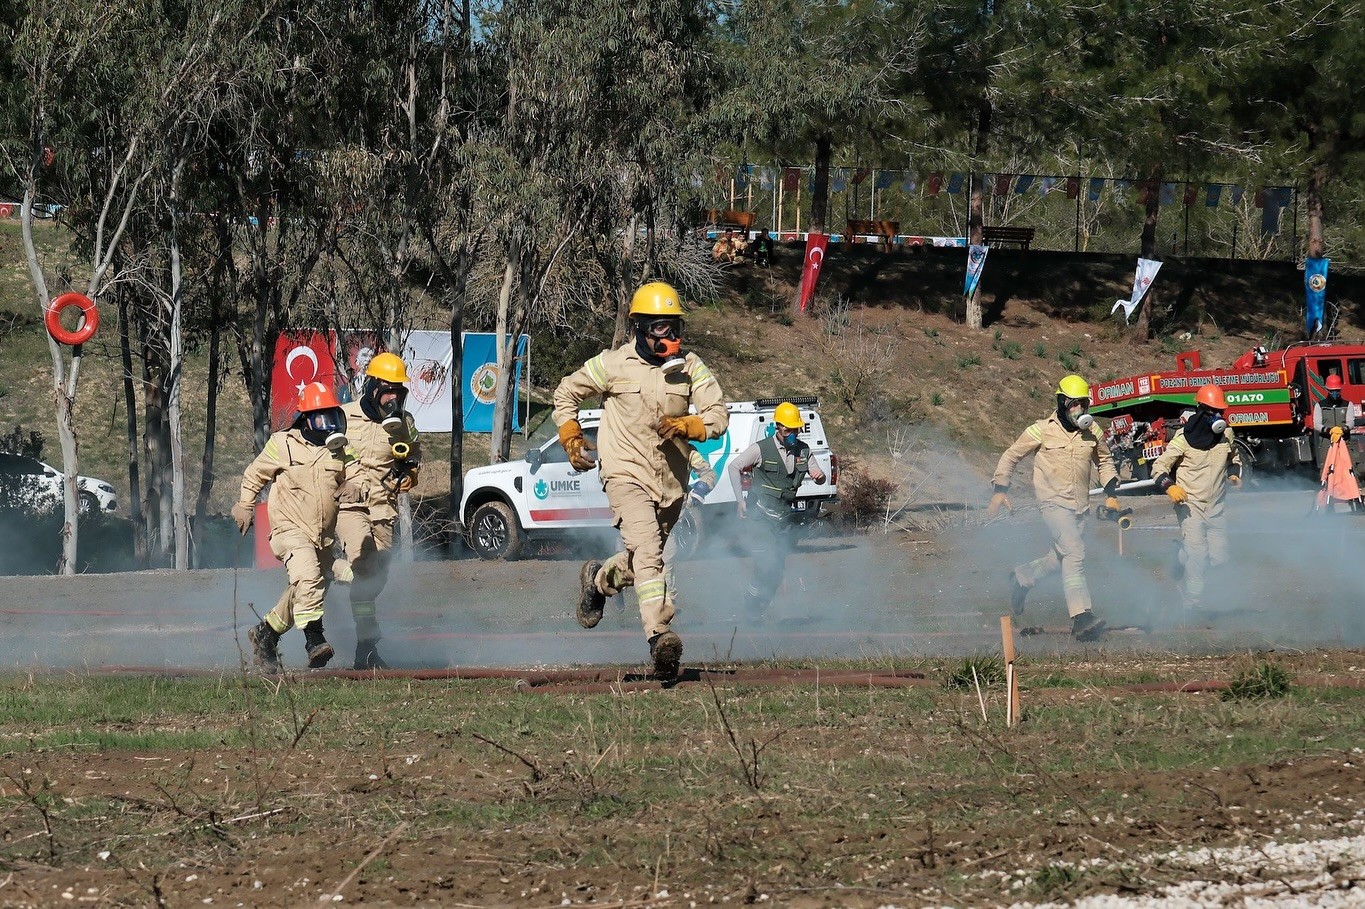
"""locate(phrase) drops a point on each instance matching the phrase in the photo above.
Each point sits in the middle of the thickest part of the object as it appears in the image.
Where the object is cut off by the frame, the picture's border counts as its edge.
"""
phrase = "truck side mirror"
(533, 458)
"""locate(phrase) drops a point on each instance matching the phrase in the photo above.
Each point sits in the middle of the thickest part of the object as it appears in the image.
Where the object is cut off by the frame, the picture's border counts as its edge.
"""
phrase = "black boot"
(590, 599)
(265, 643)
(319, 651)
(1086, 626)
(665, 650)
(1017, 594)
(367, 655)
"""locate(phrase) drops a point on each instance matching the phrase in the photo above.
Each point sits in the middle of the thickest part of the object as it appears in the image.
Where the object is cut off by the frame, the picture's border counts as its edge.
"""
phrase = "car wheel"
(87, 506)
(494, 532)
(686, 535)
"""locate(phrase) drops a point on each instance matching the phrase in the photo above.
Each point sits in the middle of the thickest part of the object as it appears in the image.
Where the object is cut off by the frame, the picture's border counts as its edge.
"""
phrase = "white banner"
(429, 358)
(1146, 273)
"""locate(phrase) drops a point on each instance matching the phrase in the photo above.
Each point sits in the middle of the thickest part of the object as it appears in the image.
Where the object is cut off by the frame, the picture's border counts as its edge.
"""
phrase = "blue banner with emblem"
(1315, 286)
(479, 373)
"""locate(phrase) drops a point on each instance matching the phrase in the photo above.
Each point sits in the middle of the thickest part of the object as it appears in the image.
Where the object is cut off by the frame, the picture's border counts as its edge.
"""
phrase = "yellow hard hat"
(656, 299)
(388, 367)
(1073, 387)
(787, 415)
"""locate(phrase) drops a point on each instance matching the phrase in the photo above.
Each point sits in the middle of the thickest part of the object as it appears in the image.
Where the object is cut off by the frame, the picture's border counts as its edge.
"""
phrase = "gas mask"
(324, 427)
(1074, 413)
(660, 340)
(1218, 424)
(389, 416)
(788, 437)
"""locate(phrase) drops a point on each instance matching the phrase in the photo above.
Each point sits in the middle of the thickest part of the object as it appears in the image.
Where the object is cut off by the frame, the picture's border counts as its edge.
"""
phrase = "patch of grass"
(1074, 349)
(1051, 879)
(937, 399)
(1040, 350)
(1010, 350)
(1068, 362)
(968, 361)
(997, 335)
(988, 671)
(1262, 681)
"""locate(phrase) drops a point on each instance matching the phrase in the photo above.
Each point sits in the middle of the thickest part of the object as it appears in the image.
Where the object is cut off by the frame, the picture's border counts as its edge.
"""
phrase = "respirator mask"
(388, 415)
(324, 427)
(1075, 412)
(662, 337)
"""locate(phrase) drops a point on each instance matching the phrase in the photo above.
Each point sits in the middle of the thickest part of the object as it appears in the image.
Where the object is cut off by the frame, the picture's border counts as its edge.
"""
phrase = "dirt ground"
(429, 815)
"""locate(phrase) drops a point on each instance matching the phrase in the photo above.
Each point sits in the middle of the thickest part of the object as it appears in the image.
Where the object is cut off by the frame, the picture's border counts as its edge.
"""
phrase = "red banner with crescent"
(300, 357)
(814, 264)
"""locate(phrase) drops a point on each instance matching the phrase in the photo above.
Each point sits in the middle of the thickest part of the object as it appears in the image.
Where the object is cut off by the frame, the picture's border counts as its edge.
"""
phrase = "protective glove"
(351, 493)
(1113, 504)
(697, 494)
(342, 572)
(1335, 433)
(998, 501)
(689, 427)
(409, 480)
(244, 513)
(1235, 481)
(577, 447)
(1176, 493)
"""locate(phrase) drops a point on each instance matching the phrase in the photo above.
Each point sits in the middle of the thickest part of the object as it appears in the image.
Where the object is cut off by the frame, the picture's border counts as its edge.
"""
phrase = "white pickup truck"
(542, 497)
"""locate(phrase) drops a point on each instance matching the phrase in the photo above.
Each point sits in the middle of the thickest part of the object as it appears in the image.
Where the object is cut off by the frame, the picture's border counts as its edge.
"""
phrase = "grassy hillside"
(906, 388)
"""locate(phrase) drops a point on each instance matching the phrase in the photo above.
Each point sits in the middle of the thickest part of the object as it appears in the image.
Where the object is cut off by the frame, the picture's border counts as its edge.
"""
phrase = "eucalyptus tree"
(83, 128)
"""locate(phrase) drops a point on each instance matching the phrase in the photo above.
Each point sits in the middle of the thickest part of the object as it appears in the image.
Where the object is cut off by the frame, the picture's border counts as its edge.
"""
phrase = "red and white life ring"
(90, 319)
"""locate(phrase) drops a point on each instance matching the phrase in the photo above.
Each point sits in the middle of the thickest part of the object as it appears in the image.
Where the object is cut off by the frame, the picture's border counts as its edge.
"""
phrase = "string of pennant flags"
(1000, 184)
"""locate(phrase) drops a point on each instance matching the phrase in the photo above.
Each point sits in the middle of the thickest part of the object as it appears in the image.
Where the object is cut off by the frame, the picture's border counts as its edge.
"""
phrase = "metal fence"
(1067, 212)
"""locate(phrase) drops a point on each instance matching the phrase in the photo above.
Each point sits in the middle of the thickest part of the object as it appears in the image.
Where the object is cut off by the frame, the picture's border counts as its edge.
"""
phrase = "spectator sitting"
(724, 250)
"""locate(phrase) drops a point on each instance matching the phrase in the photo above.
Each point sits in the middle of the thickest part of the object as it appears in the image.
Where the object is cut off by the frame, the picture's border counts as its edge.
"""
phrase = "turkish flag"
(1073, 187)
(791, 179)
(300, 357)
(935, 182)
(810, 270)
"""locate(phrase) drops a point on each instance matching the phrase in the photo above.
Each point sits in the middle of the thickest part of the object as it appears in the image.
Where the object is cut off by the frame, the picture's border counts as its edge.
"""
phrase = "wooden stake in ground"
(1012, 711)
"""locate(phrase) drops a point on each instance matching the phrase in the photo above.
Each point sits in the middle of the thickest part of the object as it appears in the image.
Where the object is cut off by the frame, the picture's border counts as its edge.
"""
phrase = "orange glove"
(998, 501)
(1177, 494)
(1112, 503)
(689, 427)
(1235, 481)
(244, 513)
(409, 480)
(577, 447)
(1335, 433)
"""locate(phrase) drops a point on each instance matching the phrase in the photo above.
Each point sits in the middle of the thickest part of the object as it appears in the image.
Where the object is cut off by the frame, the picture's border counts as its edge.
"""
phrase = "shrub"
(937, 399)
(863, 499)
(1068, 361)
(990, 670)
(968, 361)
(1010, 350)
(1040, 350)
(1264, 680)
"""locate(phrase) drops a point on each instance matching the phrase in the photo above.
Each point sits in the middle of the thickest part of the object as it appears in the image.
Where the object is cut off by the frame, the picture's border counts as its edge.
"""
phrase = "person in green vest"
(780, 464)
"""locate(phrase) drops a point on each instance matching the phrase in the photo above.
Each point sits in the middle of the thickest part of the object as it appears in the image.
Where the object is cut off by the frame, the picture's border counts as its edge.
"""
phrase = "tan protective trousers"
(644, 526)
(1205, 538)
(369, 549)
(1067, 553)
(308, 568)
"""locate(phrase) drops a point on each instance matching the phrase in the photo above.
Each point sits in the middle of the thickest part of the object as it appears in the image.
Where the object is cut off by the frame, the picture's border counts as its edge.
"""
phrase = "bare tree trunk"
(1316, 246)
(179, 510)
(206, 476)
(819, 203)
(1149, 251)
(625, 282)
(498, 441)
(135, 512)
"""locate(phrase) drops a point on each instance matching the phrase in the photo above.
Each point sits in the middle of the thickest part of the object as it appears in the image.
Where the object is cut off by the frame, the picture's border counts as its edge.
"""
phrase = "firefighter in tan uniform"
(646, 387)
(1194, 471)
(305, 467)
(1067, 447)
(385, 442)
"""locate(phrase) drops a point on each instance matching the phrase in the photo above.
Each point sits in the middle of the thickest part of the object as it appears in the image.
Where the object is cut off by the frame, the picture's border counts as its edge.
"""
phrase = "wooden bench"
(885, 231)
(730, 218)
(993, 236)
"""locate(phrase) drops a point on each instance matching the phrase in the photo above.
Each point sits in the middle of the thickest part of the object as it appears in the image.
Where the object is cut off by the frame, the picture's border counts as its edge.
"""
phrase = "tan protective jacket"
(305, 479)
(636, 396)
(1202, 474)
(372, 450)
(1063, 464)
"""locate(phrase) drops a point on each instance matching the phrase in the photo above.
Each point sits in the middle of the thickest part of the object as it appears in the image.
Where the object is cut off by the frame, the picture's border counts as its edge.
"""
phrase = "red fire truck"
(1270, 395)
